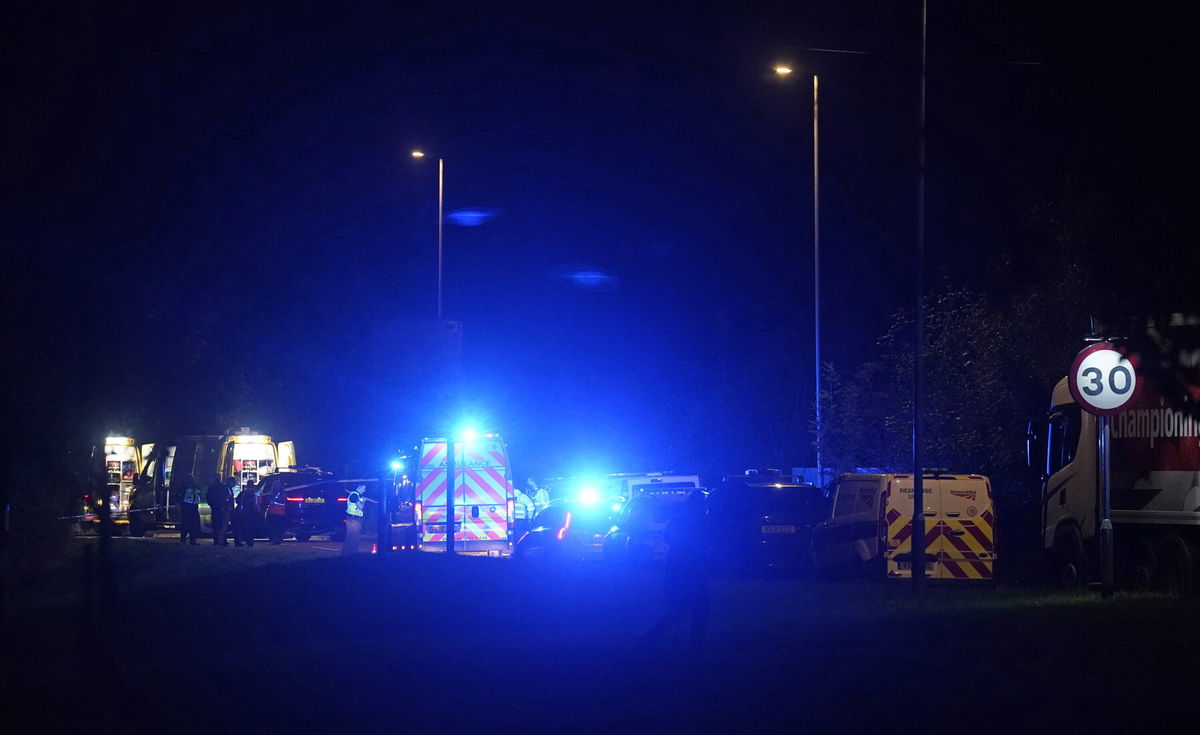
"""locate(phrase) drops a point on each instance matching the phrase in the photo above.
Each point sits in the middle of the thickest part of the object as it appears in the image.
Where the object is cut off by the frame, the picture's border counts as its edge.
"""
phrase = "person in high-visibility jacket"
(356, 502)
(541, 498)
(523, 510)
(189, 511)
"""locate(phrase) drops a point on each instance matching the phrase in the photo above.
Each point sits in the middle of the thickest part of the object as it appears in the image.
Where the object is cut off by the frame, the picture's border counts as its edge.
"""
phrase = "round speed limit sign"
(1102, 380)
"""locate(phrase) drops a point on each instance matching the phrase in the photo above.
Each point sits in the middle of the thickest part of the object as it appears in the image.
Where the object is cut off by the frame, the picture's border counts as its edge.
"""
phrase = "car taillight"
(563, 531)
(342, 500)
(290, 499)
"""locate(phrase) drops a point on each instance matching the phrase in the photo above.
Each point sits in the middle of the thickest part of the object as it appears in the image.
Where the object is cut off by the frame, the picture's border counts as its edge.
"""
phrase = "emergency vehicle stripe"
(984, 539)
(480, 489)
(958, 543)
(931, 535)
(498, 459)
(432, 490)
(966, 562)
(473, 456)
(969, 535)
(436, 454)
(953, 568)
(987, 517)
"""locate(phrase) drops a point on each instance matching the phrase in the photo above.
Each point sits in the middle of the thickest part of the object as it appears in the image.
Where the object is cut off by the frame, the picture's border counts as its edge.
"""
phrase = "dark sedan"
(759, 522)
(310, 509)
(637, 534)
(567, 530)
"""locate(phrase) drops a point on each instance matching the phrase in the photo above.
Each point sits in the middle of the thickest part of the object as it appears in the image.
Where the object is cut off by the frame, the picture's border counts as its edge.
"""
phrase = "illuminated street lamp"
(441, 177)
(783, 71)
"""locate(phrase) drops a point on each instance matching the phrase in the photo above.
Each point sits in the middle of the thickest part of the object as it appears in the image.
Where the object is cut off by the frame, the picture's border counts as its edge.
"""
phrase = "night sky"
(212, 213)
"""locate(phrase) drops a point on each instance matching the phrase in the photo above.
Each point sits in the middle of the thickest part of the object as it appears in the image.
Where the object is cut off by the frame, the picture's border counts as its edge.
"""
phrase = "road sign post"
(1103, 381)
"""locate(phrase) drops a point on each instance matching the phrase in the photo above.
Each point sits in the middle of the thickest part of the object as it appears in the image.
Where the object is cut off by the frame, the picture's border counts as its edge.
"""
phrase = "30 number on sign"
(1102, 380)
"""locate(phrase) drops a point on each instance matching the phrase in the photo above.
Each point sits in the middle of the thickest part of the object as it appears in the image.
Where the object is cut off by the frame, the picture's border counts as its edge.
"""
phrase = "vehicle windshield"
(587, 519)
(659, 508)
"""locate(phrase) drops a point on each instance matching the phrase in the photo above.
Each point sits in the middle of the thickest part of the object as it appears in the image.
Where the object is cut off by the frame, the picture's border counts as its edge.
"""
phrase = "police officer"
(541, 498)
(356, 501)
(189, 511)
(523, 510)
(246, 522)
(686, 579)
(219, 497)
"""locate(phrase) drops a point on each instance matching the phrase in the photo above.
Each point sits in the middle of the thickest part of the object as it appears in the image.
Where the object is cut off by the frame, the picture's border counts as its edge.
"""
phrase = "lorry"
(483, 496)
(244, 455)
(869, 527)
(1155, 480)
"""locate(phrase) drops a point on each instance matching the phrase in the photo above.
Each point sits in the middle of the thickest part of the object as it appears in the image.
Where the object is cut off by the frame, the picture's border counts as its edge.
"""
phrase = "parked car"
(310, 509)
(637, 532)
(567, 530)
(761, 521)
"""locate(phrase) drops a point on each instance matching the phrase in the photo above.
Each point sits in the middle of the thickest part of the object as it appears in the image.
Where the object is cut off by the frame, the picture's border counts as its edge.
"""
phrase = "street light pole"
(817, 275)
(441, 170)
(784, 70)
(441, 189)
(918, 516)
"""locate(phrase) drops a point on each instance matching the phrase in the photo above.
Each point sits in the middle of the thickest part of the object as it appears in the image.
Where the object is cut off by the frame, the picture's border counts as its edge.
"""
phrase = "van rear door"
(898, 517)
(965, 547)
(286, 452)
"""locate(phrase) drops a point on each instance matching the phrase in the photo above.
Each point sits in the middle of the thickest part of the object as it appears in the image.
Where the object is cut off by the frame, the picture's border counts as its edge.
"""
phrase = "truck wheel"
(1174, 567)
(1137, 568)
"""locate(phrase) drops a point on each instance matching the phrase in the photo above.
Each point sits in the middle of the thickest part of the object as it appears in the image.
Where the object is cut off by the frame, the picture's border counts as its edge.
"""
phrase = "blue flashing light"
(587, 277)
(589, 495)
(470, 217)
(616, 507)
(397, 465)
(469, 435)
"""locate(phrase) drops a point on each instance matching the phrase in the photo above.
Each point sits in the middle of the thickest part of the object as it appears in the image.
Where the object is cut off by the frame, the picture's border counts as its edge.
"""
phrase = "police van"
(869, 527)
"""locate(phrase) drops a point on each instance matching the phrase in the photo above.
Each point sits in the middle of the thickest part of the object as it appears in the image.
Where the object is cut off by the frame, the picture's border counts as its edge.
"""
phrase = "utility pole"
(817, 277)
(450, 472)
(918, 515)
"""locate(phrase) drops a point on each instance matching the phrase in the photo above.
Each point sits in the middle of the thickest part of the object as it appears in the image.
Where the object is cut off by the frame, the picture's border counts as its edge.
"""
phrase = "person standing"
(356, 501)
(219, 497)
(686, 581)
(189, 511)
(523, 511)
(246, 516)
(540, 497)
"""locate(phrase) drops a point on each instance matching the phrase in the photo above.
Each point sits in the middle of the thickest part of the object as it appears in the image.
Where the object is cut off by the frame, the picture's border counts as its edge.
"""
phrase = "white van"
(870, 525)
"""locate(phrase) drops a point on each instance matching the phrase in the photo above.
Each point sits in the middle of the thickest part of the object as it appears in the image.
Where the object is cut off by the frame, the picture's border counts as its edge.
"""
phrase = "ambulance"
(122, 465)
(869, 528)
(242, 454)
(122, 462)
(483, 496)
